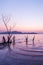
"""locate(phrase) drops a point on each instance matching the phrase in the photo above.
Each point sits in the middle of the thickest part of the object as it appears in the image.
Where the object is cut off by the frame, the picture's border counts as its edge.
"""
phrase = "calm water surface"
(20, 41)
(20, 52)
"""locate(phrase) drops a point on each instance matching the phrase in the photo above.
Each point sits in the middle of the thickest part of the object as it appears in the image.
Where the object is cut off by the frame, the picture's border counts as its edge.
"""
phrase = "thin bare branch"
(3, 18)
(6, 19)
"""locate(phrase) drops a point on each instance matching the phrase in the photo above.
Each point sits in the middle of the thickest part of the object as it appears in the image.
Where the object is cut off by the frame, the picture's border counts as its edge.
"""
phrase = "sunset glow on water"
(21, 32)
(20, 51)
(20, 40)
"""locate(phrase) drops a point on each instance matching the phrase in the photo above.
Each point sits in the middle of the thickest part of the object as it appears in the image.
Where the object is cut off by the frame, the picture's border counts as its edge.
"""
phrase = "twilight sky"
(27, 14)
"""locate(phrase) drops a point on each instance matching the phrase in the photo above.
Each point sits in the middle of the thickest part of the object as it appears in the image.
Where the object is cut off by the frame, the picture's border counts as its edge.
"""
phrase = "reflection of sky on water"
(20, 51)
(20, 43)
(20, 40)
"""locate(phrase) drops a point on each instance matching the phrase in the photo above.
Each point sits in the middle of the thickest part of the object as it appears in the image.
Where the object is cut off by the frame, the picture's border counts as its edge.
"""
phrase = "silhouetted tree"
(33, 40)
(6, 20)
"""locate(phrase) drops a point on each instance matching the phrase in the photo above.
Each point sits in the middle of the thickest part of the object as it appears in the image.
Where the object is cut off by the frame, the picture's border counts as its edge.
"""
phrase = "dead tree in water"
(9, 30)
(33, 40)
(27, 40)
(14, 40)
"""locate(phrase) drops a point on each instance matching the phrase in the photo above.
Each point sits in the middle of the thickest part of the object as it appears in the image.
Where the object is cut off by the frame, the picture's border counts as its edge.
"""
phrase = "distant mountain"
(18, 32)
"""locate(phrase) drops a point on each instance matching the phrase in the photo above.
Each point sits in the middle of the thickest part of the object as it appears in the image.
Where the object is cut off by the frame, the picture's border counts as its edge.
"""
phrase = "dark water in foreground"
(22, 54)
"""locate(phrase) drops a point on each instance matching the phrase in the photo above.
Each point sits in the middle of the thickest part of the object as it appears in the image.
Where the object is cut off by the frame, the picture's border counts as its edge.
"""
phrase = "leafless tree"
(6, 20)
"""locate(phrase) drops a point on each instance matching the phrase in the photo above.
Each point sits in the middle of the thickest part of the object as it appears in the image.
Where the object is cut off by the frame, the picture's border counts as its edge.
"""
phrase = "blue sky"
(27, 14)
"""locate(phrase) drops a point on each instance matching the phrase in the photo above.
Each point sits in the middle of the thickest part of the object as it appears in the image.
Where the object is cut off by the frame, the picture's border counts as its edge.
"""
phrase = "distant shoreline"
(17, 32)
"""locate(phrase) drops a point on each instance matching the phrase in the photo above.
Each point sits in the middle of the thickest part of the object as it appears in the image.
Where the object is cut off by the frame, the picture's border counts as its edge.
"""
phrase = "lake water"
(20, 40)
(21, 53)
